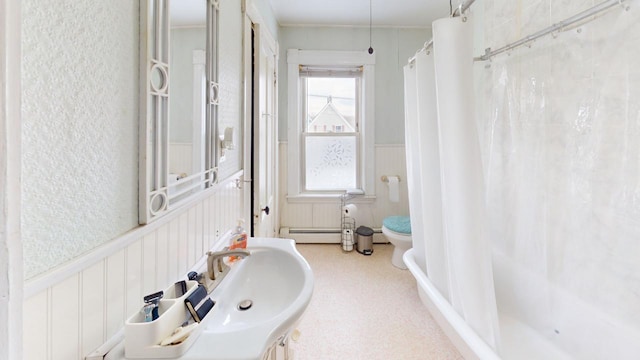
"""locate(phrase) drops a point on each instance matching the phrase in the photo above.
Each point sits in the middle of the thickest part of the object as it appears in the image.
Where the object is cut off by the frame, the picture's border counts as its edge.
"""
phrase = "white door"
(264, 138)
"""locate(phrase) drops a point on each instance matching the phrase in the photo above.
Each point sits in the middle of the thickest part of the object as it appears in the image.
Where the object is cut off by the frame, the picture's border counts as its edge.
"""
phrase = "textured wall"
(392, 49)
(561, 126)
(80, 121)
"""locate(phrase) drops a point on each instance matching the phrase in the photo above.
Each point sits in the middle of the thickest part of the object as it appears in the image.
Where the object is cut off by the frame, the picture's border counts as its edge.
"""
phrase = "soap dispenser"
(238, 239)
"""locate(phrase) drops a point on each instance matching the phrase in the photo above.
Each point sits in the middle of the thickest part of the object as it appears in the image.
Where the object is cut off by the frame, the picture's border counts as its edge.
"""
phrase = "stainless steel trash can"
(364, 240)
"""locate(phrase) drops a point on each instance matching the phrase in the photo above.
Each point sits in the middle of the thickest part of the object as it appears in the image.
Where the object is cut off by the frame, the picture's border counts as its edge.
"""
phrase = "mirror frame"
(155, 199)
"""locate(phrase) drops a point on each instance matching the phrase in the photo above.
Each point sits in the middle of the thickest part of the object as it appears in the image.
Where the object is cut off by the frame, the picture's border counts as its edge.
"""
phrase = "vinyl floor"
(365, 308)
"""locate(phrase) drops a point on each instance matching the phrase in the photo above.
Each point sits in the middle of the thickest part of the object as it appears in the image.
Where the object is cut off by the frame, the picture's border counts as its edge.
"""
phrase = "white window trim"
(295, 58)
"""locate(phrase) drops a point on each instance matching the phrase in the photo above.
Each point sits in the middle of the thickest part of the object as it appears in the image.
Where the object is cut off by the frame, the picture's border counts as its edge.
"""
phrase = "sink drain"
(245, 305)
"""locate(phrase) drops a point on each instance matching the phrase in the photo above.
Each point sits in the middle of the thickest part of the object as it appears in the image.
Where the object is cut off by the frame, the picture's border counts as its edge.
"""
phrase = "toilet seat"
(400, 225)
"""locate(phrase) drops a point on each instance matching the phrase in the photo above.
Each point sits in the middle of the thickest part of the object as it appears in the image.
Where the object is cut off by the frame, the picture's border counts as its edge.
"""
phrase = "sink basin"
(277, 282)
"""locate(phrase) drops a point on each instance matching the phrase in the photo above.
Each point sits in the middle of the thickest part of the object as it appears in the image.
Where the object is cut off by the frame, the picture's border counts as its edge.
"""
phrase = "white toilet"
(397, 229)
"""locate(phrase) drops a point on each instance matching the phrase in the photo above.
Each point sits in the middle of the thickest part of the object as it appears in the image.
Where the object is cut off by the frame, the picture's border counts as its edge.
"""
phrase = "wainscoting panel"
(76, 308)
(36, 327)
(133, 266)
(93, 315)
(162, 270)
(115, 311)
(183, 242)
(326, 215)
(323, 214)
(65, 320)
(173, 249)
(299, 214)
(149, 269)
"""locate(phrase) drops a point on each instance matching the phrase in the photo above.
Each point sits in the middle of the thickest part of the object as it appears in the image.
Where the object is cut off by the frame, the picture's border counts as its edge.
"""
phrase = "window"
(330, 122)
(330, 100)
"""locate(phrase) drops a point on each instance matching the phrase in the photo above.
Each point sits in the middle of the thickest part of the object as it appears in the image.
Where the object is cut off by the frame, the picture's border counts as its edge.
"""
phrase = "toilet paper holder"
(385, 178)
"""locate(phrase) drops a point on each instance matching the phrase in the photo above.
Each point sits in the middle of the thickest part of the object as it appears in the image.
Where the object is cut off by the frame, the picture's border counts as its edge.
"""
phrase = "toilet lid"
(399, 224)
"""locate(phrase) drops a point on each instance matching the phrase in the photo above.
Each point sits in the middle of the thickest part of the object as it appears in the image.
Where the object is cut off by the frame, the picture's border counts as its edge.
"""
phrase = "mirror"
(178, 114)
(187, 108)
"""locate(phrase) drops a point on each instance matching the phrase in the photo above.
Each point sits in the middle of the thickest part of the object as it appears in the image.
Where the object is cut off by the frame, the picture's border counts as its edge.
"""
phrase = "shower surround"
(559, 124)
(559, 133)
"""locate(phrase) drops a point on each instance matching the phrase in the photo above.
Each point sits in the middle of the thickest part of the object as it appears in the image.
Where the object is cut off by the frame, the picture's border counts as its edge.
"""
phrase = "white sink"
(277, 281)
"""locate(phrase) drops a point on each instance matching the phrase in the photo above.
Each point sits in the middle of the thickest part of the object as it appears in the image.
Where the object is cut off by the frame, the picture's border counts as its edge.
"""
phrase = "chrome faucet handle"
(218, 256)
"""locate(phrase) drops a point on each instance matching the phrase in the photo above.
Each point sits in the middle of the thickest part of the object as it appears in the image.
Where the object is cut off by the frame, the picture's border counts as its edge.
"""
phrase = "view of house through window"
(330, 116)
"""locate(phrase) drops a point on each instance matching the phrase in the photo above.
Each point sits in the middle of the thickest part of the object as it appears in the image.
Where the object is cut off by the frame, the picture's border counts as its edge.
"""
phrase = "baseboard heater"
(323, 235)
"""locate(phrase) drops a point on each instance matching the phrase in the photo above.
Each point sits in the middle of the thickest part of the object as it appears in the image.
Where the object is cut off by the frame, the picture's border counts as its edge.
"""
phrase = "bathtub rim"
(463, 337)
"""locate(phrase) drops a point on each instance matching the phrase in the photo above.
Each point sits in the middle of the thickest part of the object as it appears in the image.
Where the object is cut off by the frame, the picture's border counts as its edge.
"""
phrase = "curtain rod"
(425, 47)
(457, 12)
(594, 11)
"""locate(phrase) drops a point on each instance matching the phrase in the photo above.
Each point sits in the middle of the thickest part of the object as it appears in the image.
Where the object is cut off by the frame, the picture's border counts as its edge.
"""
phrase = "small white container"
(142, 339)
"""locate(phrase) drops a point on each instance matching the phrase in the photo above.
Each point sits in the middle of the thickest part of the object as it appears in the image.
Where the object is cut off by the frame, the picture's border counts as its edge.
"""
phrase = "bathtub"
(518, 341)
(470, 345)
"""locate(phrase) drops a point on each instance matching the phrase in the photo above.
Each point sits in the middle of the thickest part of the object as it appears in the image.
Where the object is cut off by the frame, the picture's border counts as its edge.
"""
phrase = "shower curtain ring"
(462, 16)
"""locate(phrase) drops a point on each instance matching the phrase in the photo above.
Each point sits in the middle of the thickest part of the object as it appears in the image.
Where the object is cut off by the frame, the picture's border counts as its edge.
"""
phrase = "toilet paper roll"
(350, 210)
(347, 240)
(394, 188)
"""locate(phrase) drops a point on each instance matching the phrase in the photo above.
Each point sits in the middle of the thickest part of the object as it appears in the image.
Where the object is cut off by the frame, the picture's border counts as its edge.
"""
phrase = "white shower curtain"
(448, 196)
(431, 216)
(472, 292)
(412, 149)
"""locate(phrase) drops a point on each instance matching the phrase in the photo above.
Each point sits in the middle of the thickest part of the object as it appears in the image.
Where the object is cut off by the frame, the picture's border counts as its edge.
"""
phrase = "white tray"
(142, 339)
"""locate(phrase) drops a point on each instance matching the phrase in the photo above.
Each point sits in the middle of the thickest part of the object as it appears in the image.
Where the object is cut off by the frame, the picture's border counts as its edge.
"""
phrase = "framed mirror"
(179, 103)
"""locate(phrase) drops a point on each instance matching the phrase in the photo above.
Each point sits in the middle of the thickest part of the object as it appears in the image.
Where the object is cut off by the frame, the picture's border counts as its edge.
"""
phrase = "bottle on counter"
(238, 239)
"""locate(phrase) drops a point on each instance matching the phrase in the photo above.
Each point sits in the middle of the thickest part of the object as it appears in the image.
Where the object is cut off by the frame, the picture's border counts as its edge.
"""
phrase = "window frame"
(365, 141)
(306, 133)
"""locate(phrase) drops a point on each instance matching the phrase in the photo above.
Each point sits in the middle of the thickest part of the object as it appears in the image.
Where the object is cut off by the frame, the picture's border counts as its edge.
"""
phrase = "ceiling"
(400, 13)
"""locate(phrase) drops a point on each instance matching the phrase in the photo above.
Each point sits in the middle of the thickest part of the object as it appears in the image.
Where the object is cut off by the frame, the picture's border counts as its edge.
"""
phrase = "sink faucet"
(215, 263)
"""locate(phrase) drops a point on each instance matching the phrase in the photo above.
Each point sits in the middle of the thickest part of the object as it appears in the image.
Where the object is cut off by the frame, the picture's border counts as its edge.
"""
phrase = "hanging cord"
(370, 22)
(450, 7)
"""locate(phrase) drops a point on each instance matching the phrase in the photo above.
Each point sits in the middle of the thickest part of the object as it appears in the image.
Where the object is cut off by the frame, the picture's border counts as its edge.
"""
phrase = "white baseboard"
(324, 238)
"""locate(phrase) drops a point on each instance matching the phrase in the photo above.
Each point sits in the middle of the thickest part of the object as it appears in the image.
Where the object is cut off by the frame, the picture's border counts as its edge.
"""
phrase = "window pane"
(330, 162)
(331, 104)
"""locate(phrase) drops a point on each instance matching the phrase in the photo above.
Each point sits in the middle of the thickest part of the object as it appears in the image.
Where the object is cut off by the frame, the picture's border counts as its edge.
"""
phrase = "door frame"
(11, 259)
(255, 35)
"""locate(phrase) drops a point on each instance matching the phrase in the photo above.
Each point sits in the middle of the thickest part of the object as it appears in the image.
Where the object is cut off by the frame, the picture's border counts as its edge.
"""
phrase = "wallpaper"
(80, 127)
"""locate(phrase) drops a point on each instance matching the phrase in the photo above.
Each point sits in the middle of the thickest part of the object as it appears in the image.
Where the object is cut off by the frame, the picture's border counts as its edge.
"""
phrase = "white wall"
(393, 46)
(264, 8)
(80, 127)
(79, 306)
(561, 130)
(80, 131)
(389, 160)
(75, 305)
(11, 289)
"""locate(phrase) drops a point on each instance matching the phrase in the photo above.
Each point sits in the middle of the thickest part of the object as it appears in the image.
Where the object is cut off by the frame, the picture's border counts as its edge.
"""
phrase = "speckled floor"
(364, 308)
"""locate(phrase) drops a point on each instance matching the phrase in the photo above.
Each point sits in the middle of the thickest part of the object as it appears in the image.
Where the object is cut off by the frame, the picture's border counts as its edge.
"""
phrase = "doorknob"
(266, 210)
